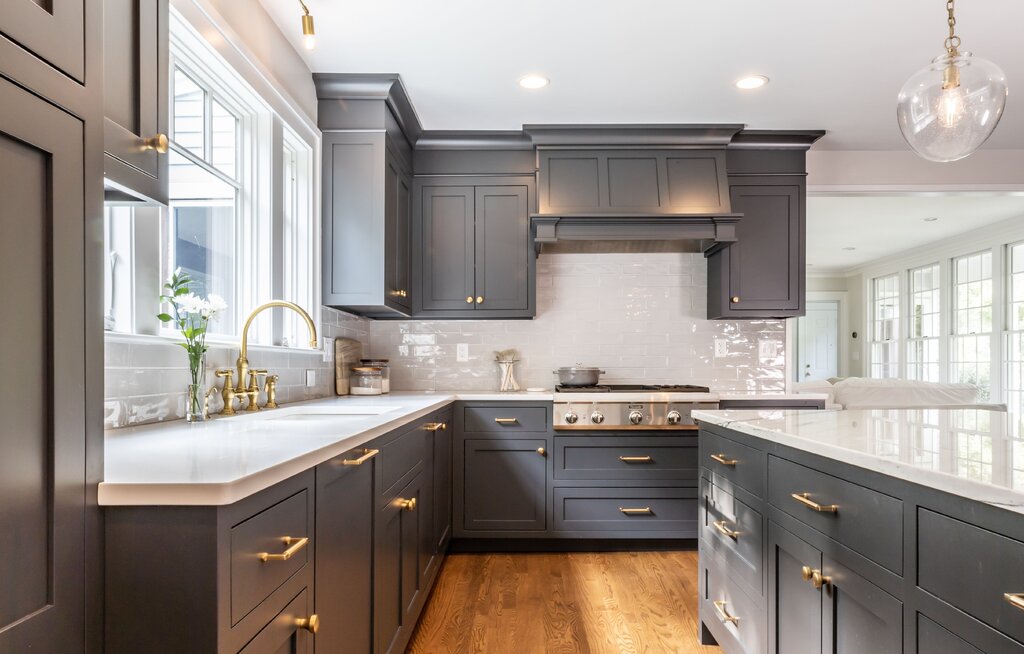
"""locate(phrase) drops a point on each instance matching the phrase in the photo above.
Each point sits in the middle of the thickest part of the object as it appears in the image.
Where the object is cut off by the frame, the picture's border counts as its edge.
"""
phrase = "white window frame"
(897, 340)
(909, 339)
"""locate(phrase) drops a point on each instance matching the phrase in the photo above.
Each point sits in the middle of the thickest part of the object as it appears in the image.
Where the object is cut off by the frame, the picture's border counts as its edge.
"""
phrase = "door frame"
(840, 298)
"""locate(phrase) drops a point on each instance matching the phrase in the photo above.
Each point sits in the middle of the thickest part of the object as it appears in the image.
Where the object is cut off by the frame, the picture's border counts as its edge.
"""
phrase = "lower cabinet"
(794, 604)
(288, 632)
(397, 555)
(505, 484)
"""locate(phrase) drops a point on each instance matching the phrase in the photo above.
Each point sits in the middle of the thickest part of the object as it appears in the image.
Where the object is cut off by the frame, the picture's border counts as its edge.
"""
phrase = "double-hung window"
(885, 331)
(1014, 389)
(971, 357)
(924, 324)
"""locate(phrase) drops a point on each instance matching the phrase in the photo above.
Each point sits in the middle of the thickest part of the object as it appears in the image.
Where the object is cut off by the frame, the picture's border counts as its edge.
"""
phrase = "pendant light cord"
(952, 41)
(306, 9)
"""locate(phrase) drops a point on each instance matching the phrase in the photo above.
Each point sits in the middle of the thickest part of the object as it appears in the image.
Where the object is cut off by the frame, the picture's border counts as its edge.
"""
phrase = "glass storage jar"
(385, 371)
(366, 380)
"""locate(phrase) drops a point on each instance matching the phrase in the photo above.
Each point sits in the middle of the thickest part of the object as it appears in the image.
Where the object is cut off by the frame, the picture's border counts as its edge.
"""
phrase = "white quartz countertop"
(975, 454)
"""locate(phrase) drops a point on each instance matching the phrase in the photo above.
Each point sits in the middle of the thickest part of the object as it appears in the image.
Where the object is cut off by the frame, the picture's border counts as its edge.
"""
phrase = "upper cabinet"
(473, 257)
(135, 97)
(51, 31)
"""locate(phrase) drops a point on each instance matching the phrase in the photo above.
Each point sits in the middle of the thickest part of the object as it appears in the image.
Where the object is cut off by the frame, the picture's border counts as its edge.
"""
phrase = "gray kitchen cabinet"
(472, 257)
(344, 534)
(50, 31)
(794, 605)
(857, 616)
(284, 635)
(505, 485)
(366, 185)
(135, 97)
(45, 217)
(443, 484)
(762, 274)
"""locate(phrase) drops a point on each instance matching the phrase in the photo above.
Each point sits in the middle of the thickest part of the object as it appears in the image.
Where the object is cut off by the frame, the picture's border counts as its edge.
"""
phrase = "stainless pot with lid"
(579, 375)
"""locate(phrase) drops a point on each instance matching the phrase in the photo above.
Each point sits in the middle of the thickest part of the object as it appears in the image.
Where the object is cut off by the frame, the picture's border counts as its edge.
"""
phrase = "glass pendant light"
(950, 107)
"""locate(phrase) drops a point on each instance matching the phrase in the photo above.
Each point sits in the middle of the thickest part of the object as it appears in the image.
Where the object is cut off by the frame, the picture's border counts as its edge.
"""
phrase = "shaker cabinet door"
(52, 30)
(42, 435)
(502, 247)
(794, 605)
(135, 92)
(448, 244)
(857, 615)
(505, 485)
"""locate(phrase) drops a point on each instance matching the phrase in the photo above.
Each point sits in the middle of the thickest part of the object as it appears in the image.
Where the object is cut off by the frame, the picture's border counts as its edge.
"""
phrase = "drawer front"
(733, 462)
(627, 509)
(978, 587)
(864, 520)
(504, 420)
(733, 612)
(627, 457)
(261, 537)
(283, 634)
(933, 639)
(399, 457)
(735, 533)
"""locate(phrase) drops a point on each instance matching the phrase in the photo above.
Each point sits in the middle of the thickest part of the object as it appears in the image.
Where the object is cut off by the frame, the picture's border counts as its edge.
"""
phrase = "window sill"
(219, 342)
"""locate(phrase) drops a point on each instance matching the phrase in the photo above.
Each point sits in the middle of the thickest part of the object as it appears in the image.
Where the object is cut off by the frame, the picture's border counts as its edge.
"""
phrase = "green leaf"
(163, 317)
(180, 292)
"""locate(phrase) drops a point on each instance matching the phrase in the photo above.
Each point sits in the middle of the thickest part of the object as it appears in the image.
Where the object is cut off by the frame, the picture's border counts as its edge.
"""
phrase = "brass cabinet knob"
(479, 299)
(806, 572)
(310, 624)
(160, 143)
(408, 505)
(541, 451)
(735, 299)
(818, 580)
(469, 300)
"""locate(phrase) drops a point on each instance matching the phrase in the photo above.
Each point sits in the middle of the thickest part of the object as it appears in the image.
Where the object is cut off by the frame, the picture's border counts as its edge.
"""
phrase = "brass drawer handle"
(724, 461)
(434, 426)
(723, 615)
(507, 421)
(294, 545)
(636, 459)
(805, 499)
(644, 511)
(367, 455)
(310, 624)
(1015, 599)
(408, 505)
(722, 527)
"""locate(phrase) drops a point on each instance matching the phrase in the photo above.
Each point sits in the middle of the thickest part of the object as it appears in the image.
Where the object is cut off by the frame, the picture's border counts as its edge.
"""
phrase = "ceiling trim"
(473, 140)
(605, 136)
(386, 87)
(778, 139)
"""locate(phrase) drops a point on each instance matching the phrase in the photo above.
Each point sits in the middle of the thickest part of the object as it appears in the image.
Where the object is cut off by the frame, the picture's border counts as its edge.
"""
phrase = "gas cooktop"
(633, 388)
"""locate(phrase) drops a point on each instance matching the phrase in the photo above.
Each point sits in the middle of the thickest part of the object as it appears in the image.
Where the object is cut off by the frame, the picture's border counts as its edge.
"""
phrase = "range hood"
(633, 188)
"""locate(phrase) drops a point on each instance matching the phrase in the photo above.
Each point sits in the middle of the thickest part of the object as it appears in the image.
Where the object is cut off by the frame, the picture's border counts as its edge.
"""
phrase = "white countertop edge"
(1004, 498)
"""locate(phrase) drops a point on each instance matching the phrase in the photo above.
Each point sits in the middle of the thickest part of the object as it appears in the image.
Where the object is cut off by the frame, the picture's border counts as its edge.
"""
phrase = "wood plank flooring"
(579, 603)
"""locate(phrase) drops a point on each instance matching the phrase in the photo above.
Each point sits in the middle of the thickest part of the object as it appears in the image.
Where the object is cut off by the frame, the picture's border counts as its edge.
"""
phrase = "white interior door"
(818, 342)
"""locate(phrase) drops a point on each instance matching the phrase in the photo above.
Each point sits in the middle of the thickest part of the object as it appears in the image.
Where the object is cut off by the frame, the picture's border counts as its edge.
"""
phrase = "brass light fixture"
(949, 108)
(308, 31)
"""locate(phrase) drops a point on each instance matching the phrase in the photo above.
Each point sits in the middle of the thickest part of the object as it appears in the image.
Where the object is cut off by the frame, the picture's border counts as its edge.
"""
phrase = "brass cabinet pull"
(408, 505)
(1015, 599)
(444, 426)
(806, 572)
(507, 421)
(735, 299)
(722, 527)
(724, 461)
(469, 299)
(805, 499)
(644, 511)
(367, 455)
(723, 615)
(158, 143)
(479, 299)
(400, 293)
(818, 580)
(541, 451)
(433, 426)
(635, 459)
(294, 545)
(310, 624)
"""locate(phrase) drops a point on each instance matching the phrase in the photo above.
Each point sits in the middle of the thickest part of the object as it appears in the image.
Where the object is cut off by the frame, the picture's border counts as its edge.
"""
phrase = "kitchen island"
(862, 531)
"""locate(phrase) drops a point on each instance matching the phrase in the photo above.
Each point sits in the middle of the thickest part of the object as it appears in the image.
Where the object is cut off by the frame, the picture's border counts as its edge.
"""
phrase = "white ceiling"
(882, 226)
(834, 65)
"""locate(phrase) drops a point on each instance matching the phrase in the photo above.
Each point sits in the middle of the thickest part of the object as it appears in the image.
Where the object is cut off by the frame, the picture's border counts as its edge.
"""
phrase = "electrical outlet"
(767, 349)
(328, 349)
(462, 352)
(310, 378)
(721, 348)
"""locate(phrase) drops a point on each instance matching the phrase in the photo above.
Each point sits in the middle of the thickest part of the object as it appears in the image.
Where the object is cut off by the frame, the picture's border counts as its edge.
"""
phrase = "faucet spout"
(243, 361)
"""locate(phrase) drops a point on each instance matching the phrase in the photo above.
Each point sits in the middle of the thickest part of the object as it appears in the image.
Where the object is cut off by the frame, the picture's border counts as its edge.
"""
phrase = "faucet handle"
(229, 373)
(254, 374)
(271, 388)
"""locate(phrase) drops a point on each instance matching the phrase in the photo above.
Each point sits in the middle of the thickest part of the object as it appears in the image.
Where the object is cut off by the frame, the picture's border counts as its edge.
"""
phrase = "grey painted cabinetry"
(366, 213)
(883, 572)
(51, 32)
(473, 257)
(135, 97)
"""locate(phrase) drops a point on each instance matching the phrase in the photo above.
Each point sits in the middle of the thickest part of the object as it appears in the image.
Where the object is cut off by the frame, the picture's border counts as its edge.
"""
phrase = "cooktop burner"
(633, 388)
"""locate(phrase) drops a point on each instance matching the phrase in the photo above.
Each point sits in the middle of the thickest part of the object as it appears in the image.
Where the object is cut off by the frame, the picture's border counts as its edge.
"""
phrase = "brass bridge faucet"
(242, 364)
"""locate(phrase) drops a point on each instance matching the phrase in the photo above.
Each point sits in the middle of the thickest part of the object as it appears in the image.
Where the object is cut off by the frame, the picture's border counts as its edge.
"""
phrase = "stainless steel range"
(630, 407)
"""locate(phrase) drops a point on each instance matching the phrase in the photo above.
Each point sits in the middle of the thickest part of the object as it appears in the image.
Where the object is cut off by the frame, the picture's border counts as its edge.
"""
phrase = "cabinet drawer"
(977, 589)
(733, 462)
(629, 457)
(261, 557)
(284, 634)
(862, 519)
(732, 612)
(627, 509)
(399, 457)
(735, 533)
(507, 419)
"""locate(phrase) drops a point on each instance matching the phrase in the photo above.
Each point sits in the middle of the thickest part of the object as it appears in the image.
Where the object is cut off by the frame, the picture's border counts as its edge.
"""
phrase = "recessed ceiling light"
(752, 82)
(534, 82)
(931, 219)
(849, 249)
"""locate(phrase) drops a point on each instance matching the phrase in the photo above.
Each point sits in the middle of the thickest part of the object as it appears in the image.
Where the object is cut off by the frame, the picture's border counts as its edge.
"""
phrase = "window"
(923, 324)
(886, 328)
(971, 359)
(1015, 334)
(241, 214)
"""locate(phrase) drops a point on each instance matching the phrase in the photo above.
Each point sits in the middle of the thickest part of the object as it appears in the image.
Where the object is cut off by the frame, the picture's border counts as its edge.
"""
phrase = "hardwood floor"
(586, 603)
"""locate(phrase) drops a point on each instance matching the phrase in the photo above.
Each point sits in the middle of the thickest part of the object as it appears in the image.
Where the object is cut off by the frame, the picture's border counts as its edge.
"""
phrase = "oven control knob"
(597, 417)
(571, 418)
(635, 417)
(674, 417)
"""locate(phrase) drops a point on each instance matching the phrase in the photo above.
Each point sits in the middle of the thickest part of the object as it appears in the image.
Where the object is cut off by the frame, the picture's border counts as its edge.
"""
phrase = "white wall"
(880, 171)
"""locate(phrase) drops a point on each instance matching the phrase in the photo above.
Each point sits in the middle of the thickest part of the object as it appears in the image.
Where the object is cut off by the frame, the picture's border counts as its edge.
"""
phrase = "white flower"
(214, 306)
(190, 303)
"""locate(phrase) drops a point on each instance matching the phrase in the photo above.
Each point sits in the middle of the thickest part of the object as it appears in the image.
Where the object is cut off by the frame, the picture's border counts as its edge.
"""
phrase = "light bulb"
(951, 107)
(309, 41)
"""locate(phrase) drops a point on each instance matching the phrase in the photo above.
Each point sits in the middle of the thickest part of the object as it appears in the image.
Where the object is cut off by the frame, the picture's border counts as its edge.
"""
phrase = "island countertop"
(975, 454)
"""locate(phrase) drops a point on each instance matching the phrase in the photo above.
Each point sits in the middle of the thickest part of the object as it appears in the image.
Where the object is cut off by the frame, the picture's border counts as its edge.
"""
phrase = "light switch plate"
(767, 349)
(462, 352)
(721, 348)
(328, 344)
(310, 378)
